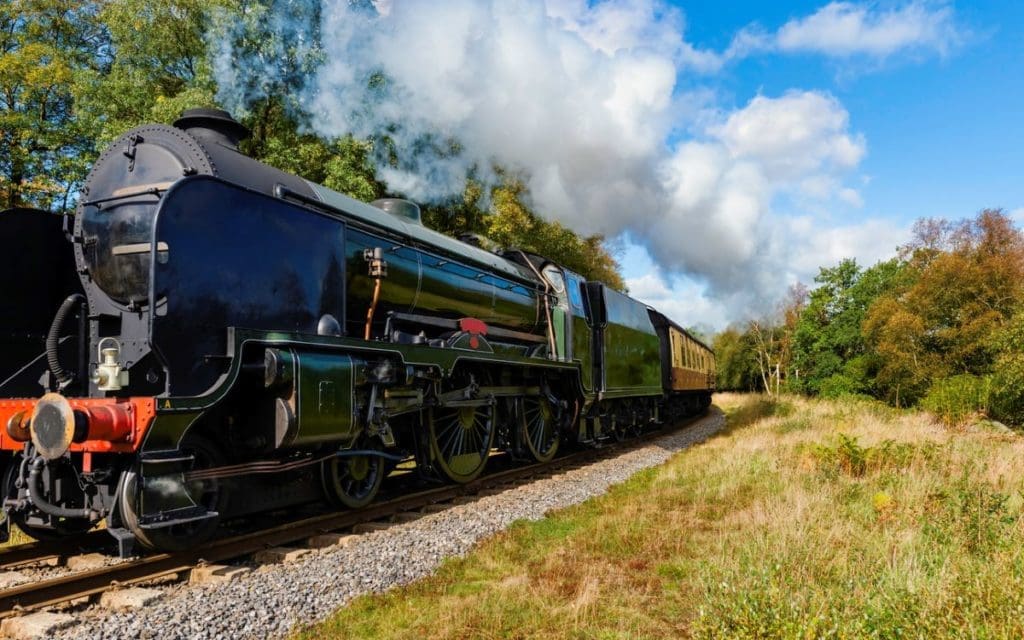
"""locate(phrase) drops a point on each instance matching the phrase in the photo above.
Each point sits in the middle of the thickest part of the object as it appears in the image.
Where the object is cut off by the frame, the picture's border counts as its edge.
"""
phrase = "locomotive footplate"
(173, 517)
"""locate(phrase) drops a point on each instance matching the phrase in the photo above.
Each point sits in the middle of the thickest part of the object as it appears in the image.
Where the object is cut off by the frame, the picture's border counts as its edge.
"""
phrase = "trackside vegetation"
(940, 326)
(804, 519)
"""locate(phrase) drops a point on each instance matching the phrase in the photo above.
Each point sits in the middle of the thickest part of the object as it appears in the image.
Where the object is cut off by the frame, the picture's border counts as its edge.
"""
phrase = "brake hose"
(53, 339)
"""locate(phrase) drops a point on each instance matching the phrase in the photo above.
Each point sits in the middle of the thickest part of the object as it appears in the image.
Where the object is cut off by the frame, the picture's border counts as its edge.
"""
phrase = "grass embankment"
(804, 519)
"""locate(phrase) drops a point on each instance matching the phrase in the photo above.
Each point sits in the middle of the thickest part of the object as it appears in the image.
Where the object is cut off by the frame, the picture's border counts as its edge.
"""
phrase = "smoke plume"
(603, 105)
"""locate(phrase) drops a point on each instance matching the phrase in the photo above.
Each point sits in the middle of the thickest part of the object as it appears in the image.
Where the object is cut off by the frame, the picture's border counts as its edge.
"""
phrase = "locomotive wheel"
(61, 527)
(538, 427)
(211, 494)
(460, 440)
(353, 481)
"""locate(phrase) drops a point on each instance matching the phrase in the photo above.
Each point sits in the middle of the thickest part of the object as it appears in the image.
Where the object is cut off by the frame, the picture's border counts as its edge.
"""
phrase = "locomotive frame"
(247, 340)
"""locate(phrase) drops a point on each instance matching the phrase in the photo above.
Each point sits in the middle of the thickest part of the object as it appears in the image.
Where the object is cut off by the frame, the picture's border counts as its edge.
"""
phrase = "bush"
(839, 385)
(847, 456)
(1008, 396)
(1008, 381)
(958, 399)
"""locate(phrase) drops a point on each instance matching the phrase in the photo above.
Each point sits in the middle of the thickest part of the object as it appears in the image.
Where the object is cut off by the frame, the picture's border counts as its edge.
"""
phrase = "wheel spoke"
(459, 440)
(461, 437)
(450, 426)
(539, 429)
(479, 429)
(538, 438)
(353, 482)
(450, 443)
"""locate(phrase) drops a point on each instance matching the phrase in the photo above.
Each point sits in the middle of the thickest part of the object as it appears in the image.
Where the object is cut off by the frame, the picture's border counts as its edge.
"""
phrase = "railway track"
(35, 553)
(82, 585)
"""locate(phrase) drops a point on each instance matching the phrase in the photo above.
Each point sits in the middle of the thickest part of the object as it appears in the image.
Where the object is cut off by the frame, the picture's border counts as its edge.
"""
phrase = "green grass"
(803, 520)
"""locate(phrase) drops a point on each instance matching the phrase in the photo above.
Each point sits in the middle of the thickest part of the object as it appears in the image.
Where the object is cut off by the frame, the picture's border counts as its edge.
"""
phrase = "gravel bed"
(270, 601)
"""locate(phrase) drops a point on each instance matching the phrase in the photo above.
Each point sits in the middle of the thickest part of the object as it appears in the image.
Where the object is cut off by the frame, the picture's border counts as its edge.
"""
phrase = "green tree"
(158, 66)
(342, 164)
(73, 76)
(736, 361)
(831, 356)
(44, 149)
(509, 221)
(513, 224)
(1008, 380)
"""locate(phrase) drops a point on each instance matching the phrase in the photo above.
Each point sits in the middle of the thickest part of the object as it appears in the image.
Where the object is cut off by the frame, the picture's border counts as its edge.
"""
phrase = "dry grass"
(803, 519)
(16, 538)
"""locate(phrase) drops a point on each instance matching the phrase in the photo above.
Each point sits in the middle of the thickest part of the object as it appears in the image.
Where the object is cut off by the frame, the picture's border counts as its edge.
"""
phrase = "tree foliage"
(1008, 377)
(830, 353)
(507, 219)
(965, 282)
(736, 361)
(45, 45)
(940, 325)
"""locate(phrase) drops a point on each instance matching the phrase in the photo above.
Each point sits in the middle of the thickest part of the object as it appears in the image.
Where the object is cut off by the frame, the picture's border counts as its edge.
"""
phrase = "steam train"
(209, 337)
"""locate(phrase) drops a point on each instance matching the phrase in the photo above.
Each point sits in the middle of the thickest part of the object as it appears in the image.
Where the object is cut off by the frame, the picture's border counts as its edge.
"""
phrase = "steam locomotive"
(209, 337)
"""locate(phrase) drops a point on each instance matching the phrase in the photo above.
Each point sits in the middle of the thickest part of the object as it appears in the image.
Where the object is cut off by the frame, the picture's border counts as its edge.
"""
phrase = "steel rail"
(47, 550)
(74, 586)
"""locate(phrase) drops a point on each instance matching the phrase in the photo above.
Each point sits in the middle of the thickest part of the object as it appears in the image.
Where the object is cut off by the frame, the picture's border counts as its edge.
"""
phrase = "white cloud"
(717, 218)
(792, 249)
(823, 245)
(793, 135)
(844, 29)
(1017, 215)
(681, 299)
(614, 26)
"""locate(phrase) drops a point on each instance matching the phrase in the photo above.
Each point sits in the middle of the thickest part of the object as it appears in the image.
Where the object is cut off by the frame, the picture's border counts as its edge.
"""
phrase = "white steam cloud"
(584, 98)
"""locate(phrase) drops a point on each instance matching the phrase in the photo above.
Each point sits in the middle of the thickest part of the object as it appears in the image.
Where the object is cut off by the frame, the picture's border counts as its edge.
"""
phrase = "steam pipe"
(547, 306)
(373, 308)
(34, 492)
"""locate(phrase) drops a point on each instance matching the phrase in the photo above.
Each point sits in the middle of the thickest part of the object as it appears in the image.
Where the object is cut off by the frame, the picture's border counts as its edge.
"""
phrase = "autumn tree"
(507, 219)
(965, 282)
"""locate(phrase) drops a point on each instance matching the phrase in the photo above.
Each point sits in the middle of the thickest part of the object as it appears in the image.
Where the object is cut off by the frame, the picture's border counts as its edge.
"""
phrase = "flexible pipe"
(53, 338)
(34, 492)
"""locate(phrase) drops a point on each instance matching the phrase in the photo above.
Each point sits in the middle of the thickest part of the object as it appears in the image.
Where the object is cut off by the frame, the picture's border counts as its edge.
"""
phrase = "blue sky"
(731, 149)
(941, 124)
(944, 132)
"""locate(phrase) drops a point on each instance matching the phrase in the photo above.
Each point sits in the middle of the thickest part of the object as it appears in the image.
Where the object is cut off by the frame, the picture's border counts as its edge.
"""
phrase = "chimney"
(213, 125)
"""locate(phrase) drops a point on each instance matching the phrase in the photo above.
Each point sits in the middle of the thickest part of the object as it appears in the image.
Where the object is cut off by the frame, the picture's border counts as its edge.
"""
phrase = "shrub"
(957, 399)
(839, 385)
(973, 516)
(847, 456)
(1008, 381)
